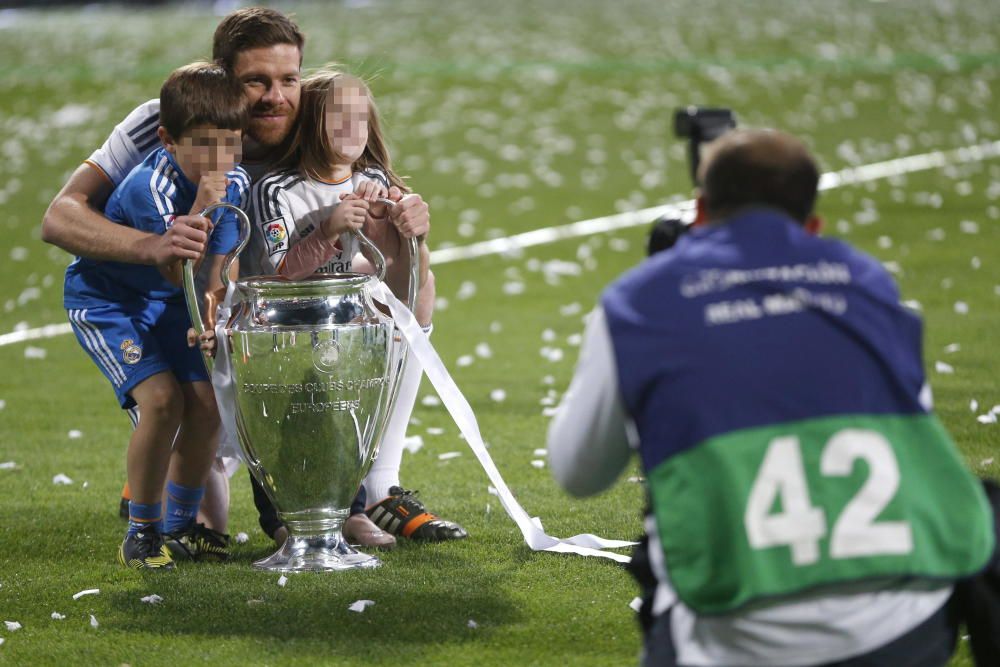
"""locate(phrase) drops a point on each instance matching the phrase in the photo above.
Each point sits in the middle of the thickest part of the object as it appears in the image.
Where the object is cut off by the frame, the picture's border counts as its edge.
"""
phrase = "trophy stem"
(322, 552)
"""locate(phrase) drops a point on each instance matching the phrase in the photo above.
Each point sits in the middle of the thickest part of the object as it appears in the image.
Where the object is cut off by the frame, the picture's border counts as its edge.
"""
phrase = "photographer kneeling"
(807, 507)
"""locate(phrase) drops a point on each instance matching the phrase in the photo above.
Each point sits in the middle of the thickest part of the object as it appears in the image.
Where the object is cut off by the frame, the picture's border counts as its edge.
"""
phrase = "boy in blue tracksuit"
(132, 321)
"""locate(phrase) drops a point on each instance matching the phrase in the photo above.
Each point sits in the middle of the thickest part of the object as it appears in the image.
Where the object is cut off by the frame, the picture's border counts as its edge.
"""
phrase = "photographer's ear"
(700, 212)
(814, 224)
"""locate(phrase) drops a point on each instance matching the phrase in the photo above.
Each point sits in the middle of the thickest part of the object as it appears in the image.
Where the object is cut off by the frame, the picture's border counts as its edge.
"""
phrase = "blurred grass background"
(507, 117)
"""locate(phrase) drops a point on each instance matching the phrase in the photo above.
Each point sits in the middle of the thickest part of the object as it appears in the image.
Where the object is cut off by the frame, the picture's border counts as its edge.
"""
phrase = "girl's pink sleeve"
(303, 258)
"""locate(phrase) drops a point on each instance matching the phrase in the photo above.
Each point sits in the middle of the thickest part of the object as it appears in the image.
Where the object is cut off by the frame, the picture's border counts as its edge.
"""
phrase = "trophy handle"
(414, 285)
(194, 311)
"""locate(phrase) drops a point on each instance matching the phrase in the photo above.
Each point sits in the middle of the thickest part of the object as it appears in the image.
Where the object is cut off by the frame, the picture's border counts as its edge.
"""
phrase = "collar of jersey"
(184, 185)
(322, 181)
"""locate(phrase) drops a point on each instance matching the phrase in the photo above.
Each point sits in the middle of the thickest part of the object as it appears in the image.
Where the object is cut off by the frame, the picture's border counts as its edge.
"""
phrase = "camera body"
(699, 125)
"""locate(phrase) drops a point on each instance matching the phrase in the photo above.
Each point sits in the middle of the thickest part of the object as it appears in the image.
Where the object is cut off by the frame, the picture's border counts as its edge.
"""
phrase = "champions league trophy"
(315, 369)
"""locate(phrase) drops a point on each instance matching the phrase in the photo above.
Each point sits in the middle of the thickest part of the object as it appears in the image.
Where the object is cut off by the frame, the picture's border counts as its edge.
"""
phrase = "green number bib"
(776, 510)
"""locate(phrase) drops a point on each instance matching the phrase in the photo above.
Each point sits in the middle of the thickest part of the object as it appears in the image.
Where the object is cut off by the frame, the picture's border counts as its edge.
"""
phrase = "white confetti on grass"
(435, 430)
(31, 352)
(969, 227)
(151, 599)
(538, 463)
(465, 360)
(540, 452)
(988, 418)
(61, 479)
(93, 621)
(962, 308)
(570, 309)
(484, 351)
(360, 605)
(8, 465)
(973, 405)
(553, 354)
(2, 640)
(986, 462)
(413, 443)
(56, 616)
(952, 347)
(430, 400)
(12, 625)
(498, 395)
(466, 290)
(3, 404)
(282, 581)
(89, 591)
(447, 456)
(943, 368)
(74, 434)
(513, 288)
(242, 538)
(472, 624)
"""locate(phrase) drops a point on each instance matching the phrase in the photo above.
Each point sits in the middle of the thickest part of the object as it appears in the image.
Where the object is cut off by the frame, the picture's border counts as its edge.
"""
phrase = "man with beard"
(263, 49)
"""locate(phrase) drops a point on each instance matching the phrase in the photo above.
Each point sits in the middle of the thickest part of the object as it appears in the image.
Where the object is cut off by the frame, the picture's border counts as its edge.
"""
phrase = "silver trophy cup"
(315, 366)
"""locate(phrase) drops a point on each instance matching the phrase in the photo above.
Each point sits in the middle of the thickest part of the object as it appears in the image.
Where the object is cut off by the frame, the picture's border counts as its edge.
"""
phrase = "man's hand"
(349, 215)
(185, 239)
(411, 215)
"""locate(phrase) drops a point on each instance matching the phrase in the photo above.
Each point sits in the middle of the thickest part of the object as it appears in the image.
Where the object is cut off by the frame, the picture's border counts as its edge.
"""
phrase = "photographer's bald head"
(747, 169)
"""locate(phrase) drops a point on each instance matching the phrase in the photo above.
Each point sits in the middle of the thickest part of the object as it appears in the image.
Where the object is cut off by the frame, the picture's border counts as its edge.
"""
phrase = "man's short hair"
(253, 28)
(747, 168)
(202, 94)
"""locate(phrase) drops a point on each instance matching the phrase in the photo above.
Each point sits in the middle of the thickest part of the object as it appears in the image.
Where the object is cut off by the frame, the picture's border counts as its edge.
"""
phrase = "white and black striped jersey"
(286, 207)
(134, 139)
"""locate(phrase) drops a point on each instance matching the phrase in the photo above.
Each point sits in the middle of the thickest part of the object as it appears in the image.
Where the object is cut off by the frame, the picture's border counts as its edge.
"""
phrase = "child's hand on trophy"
(349, 215)
(205, 341)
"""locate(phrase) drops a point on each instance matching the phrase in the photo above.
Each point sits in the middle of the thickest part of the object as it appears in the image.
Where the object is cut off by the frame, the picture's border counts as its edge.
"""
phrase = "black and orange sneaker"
(199, 543)
(145, 550)
(400, 513)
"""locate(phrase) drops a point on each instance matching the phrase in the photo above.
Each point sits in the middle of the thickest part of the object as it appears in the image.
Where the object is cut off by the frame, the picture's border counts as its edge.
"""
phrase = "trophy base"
(317, 553)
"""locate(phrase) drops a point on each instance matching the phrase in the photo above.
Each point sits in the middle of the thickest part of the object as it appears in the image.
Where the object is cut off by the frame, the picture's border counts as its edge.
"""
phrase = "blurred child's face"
(347, 121)
(205, 149)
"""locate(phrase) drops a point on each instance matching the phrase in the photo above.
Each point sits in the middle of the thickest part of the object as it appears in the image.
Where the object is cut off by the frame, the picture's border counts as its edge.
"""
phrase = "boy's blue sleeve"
(226, 235)
(135, 204)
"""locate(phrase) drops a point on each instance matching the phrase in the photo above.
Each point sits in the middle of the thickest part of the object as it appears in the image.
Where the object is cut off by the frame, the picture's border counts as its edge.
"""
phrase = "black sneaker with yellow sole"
(199, 543)
(145, 550)
(400, 513)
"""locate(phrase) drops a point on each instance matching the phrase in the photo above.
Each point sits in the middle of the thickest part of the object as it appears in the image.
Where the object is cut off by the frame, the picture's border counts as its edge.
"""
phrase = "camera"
(699, 125)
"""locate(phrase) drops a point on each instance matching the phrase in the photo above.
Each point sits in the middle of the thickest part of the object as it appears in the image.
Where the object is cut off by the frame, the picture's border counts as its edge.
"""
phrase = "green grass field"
(508, 117)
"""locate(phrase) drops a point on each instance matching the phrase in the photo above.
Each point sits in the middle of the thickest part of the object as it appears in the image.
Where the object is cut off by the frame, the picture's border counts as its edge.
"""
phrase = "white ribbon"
(420, 346)
(225, 390)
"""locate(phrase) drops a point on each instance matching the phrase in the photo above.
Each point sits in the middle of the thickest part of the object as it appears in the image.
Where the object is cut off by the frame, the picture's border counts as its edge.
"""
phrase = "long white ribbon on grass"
(420, 346)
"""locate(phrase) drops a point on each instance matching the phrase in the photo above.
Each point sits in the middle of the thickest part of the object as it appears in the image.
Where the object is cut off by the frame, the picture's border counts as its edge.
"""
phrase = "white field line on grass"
(608, 223)
(829, 181)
